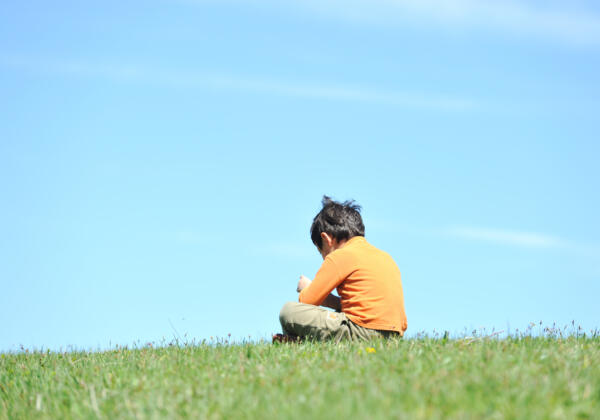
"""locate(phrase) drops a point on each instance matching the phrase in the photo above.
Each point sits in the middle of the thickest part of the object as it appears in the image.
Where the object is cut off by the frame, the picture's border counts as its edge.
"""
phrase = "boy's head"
(340, 221)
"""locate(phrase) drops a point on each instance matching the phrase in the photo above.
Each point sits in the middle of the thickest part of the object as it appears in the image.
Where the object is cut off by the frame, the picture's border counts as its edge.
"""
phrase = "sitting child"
(370, 302)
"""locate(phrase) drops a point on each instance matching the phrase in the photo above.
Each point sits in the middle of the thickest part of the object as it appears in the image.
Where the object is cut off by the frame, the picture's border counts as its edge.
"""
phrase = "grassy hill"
(421, 378)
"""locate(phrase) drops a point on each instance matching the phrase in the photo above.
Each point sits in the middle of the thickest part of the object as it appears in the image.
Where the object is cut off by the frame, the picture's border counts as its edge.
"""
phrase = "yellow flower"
(371, 350)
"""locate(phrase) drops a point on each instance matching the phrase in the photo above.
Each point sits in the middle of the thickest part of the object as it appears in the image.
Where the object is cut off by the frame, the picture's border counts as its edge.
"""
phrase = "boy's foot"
(282, 338)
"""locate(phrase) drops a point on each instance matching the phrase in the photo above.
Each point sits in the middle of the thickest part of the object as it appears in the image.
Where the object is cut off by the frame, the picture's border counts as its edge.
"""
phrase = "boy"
(370, 302)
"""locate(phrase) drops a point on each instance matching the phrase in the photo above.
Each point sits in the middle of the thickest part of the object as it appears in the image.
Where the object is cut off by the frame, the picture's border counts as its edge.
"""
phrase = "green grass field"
(423, 378)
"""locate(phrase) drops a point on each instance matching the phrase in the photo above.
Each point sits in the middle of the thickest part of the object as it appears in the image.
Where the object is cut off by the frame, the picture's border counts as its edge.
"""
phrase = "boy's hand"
(303, 283)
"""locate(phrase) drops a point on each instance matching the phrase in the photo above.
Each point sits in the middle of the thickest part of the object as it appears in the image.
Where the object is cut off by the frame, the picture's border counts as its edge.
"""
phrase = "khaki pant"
(317, 323)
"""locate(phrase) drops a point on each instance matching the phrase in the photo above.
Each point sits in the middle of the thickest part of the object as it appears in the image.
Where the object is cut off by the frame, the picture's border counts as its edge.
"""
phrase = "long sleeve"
(368, 282)
(326, 279)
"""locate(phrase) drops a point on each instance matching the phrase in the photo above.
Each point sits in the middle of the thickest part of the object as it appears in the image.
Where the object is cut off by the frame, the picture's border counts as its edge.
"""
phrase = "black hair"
(340, 220)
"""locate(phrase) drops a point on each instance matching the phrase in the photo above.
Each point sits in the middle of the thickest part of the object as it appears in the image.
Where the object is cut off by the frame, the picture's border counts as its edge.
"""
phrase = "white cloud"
(506, 237)
(510, 237)
(202, 80)
(190, 237)
(282, 250)
(526, 240)
(554, 21)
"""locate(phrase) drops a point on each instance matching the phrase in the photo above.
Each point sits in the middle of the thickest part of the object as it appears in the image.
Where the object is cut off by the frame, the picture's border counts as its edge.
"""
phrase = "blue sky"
(161, 161)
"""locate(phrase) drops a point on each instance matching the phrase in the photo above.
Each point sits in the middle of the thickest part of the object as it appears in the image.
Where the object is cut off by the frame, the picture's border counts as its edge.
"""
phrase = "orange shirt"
(368, 283)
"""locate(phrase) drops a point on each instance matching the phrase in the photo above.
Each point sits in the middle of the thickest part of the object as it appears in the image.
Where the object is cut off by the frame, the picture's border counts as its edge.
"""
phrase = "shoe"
(282, 338)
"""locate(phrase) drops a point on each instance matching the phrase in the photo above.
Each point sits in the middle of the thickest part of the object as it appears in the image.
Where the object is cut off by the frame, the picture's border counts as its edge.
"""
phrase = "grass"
(522, 377)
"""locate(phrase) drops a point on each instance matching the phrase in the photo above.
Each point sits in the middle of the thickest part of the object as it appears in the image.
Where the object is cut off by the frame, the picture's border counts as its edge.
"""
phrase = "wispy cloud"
(285, 250)
(478, 234)
(273, 249)
(510, 237)
(554, 21)
(191, 79)
(525, 240)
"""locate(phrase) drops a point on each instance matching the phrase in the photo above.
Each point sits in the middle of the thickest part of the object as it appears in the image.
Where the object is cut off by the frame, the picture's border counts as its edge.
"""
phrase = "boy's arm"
(331, 301)
(318, 292)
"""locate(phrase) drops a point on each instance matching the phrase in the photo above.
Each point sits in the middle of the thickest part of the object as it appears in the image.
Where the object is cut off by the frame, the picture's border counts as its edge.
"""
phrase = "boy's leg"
(313, 322)
(358, 332)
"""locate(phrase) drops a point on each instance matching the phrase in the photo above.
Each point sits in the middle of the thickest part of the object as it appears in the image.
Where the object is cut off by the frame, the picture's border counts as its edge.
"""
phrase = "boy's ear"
(327, 238)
